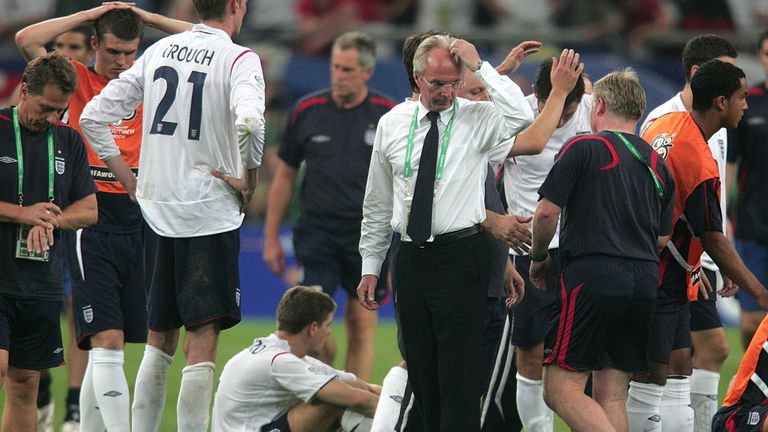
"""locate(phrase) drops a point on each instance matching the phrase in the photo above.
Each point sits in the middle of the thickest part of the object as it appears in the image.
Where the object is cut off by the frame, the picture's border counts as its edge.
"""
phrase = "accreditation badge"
(22, 251)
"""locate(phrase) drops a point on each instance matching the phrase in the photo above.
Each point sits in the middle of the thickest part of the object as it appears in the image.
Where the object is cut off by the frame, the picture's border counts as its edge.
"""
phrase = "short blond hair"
(622, 93)
(427, 45)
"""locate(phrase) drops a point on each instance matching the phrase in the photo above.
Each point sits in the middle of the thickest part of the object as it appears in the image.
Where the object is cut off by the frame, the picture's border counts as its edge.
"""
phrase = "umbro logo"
(655, 418)
(320, 138)
(7, 159)
(396, 398)
(112, 393)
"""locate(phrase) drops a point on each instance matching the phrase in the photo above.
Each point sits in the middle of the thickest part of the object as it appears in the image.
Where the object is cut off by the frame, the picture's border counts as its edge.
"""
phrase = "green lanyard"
(443, 144)
(20, 158)
(636, 154)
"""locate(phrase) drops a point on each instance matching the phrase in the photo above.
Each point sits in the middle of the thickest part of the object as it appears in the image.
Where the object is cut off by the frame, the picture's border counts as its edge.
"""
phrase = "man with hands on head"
(562, 109)
(436, 205)
(45, 187)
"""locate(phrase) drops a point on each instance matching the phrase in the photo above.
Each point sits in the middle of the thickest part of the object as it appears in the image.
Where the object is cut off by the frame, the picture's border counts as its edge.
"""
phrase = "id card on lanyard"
(22, 247)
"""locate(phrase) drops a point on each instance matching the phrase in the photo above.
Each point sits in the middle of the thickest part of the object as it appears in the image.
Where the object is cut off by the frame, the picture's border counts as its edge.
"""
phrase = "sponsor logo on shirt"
(662, 143)
(7, 159)
(119, 123)
(60, 165)
(755, 121)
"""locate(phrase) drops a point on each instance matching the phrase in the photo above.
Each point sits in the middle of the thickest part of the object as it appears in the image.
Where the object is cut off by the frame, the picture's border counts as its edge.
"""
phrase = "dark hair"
(704, 48)
(301, 306)
(409, 49)
(87, 32)
(211, 10)
(125, 24)
(713, 79)
(760, 38)
(544, 84)
(52, 68)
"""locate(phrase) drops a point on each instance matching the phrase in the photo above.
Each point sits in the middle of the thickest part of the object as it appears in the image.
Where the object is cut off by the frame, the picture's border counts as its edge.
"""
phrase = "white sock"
(676, 411)
(643, 407)
(355, 422)
(150, 390)
(704, 387)
(391, 397)
(90, 416)
(194, 402)
(534, 412)
(111, 388)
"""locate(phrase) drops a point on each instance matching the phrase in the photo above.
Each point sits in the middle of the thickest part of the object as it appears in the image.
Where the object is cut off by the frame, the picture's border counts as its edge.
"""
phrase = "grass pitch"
(241, 336)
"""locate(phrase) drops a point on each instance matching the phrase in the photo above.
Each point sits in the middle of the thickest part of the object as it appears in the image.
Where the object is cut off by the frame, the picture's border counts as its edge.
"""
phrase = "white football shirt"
(264, 381)
(203, 111)
(524, 175)
(718, 145)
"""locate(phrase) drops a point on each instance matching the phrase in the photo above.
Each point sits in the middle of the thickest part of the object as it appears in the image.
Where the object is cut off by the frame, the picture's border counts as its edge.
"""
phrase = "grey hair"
(363, 43)
(427, 45)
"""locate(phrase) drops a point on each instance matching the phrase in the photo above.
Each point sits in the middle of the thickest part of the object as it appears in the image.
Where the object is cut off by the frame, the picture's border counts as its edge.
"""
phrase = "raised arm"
(564, 74)
(32, 40)
(162, 23)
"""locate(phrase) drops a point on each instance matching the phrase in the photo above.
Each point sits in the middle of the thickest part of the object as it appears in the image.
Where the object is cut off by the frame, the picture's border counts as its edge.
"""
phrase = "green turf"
(235, 339)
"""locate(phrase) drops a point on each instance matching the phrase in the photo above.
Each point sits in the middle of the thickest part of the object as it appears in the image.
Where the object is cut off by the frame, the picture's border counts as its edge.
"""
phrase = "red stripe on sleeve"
(238, 58)
(381, 101)
(276, 356)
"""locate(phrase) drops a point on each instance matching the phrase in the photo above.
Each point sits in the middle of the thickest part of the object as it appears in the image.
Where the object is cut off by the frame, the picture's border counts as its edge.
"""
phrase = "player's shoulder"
(379, 99)
(315, 100)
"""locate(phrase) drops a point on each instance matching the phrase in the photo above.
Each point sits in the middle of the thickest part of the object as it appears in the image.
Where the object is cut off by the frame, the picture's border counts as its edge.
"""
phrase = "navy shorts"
(279, 425)
(537, 313)
(740, 418)
(670, 329)
(704, 314)
(755, 256)
(329, 257)
(111, 295)
(605, 307)
(193, 280)
(30, 331)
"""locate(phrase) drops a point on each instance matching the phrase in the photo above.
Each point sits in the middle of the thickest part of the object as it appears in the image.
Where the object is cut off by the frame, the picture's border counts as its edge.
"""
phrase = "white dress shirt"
(718, 145)
(482, 131)
(203, 111)
(524, 175)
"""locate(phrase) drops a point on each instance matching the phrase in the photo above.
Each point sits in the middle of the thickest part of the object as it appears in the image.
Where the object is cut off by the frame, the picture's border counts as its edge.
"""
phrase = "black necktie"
(420, 219)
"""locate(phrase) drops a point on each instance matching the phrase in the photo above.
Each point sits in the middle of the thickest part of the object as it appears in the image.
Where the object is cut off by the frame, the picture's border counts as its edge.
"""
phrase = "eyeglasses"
(439, 85)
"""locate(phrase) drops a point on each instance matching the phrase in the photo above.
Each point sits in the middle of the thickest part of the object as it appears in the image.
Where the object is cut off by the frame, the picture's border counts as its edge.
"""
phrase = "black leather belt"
(442, 239)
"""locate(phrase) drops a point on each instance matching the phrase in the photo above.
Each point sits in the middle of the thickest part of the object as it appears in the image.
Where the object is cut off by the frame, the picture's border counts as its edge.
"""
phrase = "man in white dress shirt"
(442, 266)
(203, 137)
(277, 385)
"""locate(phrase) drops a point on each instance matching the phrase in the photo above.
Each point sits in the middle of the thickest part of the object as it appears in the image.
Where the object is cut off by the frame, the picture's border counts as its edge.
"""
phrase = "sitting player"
(746, 405)
(274, 385)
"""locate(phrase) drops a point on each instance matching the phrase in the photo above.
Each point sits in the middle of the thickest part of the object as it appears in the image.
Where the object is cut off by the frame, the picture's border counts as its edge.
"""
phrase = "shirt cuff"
(371, 266)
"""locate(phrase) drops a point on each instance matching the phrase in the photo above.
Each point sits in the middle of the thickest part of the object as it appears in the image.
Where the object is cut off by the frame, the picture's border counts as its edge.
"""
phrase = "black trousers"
(442, 291)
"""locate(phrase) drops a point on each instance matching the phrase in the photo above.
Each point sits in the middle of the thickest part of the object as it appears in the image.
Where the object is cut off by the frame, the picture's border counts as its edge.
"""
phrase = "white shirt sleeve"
(376, 227)
(302, 378)
(507, 116)
(118, 99)
(248, 106)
